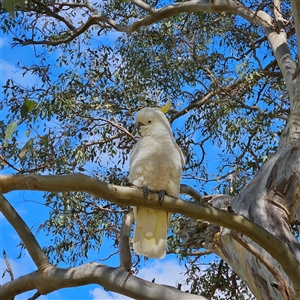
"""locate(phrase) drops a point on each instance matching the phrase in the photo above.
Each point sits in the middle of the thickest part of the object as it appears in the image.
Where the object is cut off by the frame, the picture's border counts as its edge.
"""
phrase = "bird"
(156, 164)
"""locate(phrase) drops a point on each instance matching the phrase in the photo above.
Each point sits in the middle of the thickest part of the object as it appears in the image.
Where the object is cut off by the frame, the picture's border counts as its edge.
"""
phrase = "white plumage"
(156, 163)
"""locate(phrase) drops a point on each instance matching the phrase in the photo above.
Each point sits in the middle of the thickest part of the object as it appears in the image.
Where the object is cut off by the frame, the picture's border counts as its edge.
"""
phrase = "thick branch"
(126, 196)
(296, 15)
(193, 6)
(31, 244)
(278, 41)
(155, 15)
(144, 6)
(112, 279)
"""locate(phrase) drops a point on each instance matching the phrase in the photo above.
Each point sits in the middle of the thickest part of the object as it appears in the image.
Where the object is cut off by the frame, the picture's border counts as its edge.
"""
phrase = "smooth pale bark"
(112, 279)
(155, 15)
(133, 196)
(213, 6)
(296, 16)
(38, 256)
(124, 241)
(49, 278)
(271, 200)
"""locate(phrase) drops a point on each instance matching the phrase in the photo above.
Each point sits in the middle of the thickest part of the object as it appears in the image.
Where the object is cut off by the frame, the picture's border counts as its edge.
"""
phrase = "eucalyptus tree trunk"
(254, 227)
(272, 198)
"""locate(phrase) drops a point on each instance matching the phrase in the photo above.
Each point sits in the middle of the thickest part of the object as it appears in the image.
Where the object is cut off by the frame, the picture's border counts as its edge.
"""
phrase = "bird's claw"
(145, 191)
(161, 196)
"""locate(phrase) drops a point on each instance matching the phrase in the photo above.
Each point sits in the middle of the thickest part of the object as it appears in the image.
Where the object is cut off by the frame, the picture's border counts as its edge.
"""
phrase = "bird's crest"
(166, 107)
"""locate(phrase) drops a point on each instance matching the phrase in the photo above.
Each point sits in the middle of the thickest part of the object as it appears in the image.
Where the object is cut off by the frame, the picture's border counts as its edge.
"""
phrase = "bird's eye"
(149, 121)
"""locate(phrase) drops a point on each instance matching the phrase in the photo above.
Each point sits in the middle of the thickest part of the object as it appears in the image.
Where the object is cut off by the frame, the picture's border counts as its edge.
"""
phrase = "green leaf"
(10, 129)
(27, 107)
(23, 152)
(27, 133)
(27, 146)
(10, 5)
(45, 140)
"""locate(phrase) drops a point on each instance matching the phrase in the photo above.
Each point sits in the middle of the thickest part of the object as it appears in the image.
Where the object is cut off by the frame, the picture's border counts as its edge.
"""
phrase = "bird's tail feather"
(150, 234)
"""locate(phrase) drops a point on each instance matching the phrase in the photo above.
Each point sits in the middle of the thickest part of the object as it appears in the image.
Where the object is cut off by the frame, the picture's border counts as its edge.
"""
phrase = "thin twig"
(9, 269)
(121, 128)
(9, 164)
(109, 256)
(195, 253)
(54, 15)
(35, 296)
(217, 278)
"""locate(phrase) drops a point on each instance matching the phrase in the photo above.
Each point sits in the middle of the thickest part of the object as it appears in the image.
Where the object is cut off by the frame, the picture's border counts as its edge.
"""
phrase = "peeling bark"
(270, 200)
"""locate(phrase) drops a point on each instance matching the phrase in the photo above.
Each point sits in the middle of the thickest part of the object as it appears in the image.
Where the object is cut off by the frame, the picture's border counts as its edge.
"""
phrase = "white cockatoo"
(156, 164)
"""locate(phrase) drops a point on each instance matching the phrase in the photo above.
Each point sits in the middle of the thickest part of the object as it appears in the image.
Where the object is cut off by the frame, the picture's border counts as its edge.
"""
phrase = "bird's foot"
(161, 196)
(145, 191)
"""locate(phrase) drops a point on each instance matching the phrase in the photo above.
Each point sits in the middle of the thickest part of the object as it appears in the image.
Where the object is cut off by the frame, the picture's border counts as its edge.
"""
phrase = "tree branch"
(296, 16)
(5, 161)
(231, 6)
(132, 196)
(214, 288)
(112, 279)
(186, 189)
(224, 90)
(278, 15)
(278, 42)
(31, 244)
(144, 6)
(124, 241)
(119, 127)
(35, 296)
(54, 15)
(49, 278)
(155, 15)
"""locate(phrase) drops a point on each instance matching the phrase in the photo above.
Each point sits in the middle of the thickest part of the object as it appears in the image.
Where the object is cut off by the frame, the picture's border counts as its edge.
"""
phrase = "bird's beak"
(138, 126)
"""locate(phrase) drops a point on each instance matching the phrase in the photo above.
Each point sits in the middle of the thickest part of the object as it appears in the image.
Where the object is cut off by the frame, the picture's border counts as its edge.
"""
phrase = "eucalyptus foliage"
(229, 105)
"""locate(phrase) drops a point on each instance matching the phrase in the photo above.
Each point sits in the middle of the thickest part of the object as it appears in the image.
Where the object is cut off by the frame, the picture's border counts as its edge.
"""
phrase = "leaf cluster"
(77, 224)
(227, 95)
(229, 105)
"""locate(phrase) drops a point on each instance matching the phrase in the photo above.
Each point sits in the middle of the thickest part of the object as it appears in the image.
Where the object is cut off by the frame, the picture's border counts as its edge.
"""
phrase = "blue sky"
(29, 205)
